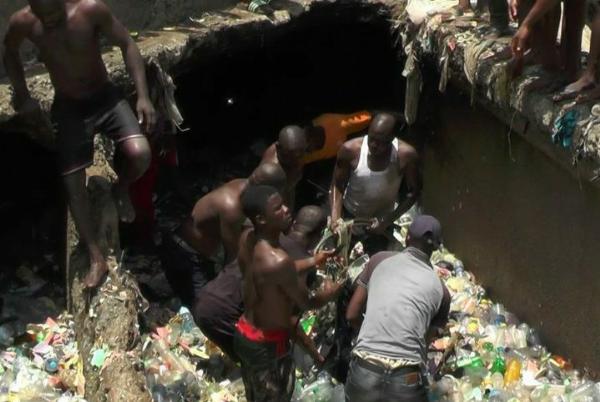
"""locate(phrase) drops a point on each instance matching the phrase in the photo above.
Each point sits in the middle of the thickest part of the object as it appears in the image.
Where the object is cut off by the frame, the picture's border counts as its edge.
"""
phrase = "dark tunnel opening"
(235, 94)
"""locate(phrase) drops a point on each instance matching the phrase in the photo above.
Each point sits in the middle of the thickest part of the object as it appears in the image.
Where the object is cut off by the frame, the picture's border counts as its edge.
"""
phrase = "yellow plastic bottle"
(513, 372)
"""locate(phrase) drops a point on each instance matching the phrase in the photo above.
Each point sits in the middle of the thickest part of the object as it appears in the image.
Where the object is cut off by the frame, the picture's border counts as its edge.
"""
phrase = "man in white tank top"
(368, 174)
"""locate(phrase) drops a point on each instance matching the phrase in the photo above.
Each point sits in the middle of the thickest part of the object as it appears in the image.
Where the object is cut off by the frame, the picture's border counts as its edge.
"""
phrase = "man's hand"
(514, 9)
(322, 256)
(519, 42)
(146, 114)
(377, 226)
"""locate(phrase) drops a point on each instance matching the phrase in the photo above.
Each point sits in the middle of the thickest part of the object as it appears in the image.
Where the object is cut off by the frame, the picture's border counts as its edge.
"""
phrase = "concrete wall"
(526, 228)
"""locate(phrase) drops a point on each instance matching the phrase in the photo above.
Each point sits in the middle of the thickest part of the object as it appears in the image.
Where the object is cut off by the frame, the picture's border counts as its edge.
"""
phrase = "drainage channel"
(237, 91)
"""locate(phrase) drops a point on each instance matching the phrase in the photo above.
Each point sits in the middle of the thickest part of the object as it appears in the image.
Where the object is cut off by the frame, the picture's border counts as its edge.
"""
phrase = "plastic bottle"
(497, 381)
(187, 320)
(513, 372)
(319, 391)
(499, 365)
(459, 268)
(586, 392)
(51, 365)
(475, 370)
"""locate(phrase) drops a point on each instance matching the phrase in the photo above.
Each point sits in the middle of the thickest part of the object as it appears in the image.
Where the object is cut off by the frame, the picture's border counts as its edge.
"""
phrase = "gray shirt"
(405, 297)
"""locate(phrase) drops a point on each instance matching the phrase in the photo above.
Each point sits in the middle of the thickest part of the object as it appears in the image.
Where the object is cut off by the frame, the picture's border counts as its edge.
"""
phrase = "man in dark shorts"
(271, 291)
(190, 253)
(219, 305)
(66, 32)
(405, 300)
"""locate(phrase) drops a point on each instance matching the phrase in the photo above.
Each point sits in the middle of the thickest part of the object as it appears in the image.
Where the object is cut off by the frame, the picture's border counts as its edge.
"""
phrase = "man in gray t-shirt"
(404, 299)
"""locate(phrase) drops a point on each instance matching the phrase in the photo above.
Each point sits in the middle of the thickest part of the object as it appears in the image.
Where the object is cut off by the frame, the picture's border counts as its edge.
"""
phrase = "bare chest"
(78, 39)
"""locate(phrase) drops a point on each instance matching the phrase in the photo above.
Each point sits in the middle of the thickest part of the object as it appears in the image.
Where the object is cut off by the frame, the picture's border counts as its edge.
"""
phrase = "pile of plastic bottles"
(491, 356)
(43, 364)
(183, 365)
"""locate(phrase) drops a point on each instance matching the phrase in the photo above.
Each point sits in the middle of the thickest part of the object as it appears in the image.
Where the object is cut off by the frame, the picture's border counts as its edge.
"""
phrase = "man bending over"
(216, 221)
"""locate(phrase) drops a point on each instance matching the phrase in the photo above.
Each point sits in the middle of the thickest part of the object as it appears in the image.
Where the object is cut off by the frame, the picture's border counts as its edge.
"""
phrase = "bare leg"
(588, 77)
(574, 20)
(131, 161)
(80, 209)
(464, 5)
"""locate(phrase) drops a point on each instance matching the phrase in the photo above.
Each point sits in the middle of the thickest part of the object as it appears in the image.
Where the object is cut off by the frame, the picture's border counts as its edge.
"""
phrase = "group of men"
(252, 306)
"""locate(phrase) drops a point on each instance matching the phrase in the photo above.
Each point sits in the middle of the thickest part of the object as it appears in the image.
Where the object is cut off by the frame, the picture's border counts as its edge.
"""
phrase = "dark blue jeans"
(364, 385)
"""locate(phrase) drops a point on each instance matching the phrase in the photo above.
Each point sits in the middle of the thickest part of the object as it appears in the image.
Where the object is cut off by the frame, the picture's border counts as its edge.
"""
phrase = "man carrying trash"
(67, 34)
(367, 178)
(405, 301)
(271, 290)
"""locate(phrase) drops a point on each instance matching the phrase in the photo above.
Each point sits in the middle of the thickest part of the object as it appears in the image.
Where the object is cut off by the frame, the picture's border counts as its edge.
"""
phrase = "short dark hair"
(254, 200)
(310, 219)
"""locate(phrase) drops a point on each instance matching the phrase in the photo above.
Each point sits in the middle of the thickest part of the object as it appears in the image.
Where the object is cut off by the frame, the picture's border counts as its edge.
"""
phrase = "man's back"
(221, 207)
(404, 295)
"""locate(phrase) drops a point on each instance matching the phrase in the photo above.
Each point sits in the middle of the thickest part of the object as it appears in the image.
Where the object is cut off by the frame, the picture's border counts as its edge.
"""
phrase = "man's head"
(381, 134)
(310, 222)
(291, 146)
(264, 206)
(425, 233)
(268, 174)
(51, 13)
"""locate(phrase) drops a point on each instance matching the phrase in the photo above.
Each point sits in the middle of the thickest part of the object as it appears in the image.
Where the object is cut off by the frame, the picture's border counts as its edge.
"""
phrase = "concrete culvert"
(513, 211)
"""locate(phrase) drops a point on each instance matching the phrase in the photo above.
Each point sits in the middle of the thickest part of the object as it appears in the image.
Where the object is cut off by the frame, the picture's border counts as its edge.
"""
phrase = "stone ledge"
(527, 110)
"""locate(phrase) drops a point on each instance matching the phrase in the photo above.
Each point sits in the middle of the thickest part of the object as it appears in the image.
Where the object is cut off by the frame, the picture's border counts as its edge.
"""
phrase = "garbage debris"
(43, 364)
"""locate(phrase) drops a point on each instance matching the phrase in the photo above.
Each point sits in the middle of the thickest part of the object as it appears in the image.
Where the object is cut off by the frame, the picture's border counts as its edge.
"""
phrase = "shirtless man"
(271, 291)
(368, 174)
(215, 221)
(289, 152)
(66, 32)
(219, 305)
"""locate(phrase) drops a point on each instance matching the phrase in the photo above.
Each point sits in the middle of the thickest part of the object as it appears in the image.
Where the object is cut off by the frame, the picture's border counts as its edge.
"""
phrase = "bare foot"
(124, 206)
(589, 96)
(97, 272)
(574, 89)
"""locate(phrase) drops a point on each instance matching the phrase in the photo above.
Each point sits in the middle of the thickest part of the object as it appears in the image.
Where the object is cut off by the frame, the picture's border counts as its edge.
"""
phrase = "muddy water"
(523, 225)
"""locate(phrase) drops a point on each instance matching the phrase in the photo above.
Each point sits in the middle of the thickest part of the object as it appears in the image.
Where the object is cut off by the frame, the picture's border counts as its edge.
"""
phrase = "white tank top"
(372, 194)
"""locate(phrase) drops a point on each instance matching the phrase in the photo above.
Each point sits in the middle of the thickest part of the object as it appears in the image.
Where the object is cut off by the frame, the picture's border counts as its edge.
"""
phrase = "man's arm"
(356, 307)
(440, 320)
(18, 30)
(358, 301)
(307, 264)
(539, 9)
(341, 175)
(118, 35)
(231, 229)
(286, 277)
(413, 182)
(306, 342)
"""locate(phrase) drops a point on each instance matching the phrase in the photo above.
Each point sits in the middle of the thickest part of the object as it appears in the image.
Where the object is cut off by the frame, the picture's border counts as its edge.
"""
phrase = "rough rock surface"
(107, 318)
